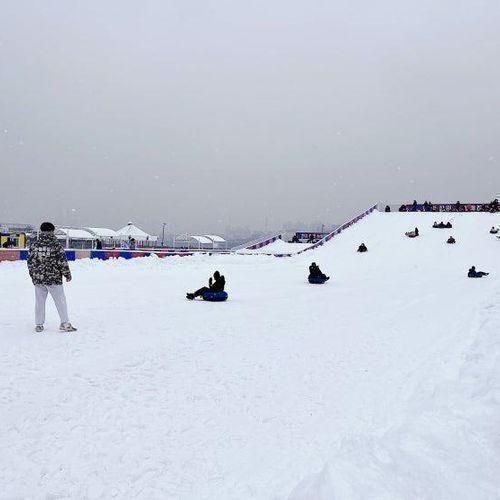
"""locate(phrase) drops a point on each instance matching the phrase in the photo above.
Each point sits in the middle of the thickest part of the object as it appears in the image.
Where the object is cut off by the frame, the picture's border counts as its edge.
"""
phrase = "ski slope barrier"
(340, 229)
(258, 243)
(277, 247)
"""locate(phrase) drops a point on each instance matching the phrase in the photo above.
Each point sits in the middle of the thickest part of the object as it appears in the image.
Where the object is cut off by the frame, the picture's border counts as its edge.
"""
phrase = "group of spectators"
(427, 206)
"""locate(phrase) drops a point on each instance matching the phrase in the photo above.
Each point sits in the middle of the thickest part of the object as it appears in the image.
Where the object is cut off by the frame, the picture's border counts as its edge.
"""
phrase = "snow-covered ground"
(382, 384)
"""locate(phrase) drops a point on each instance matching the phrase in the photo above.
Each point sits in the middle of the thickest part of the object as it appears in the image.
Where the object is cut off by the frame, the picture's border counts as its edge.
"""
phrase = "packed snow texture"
(382, 384)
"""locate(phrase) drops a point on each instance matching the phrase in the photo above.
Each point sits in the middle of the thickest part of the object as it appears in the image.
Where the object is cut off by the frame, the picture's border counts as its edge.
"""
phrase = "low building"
(14, 235)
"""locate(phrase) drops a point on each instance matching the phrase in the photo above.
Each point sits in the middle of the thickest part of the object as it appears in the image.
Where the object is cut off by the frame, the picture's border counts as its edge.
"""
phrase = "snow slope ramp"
(389, 248)
(441, 441)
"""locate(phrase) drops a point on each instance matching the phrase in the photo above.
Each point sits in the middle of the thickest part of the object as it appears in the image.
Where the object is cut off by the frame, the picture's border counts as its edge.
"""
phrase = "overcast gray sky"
(208, 114)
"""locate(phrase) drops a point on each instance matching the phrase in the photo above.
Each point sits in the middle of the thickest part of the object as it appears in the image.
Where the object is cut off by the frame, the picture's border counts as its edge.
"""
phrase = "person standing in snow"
(47, 265)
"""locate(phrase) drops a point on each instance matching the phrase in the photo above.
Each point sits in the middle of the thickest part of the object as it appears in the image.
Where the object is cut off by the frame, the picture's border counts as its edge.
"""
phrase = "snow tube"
(215, 296)
(317, 281)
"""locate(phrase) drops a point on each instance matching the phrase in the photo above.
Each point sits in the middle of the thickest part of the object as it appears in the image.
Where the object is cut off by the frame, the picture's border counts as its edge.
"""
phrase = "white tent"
(203, 240)
(75, 237)
(101, 232)
(73, 233)
(214, 237)
(217, 241)
(130, 231)
(186, 240)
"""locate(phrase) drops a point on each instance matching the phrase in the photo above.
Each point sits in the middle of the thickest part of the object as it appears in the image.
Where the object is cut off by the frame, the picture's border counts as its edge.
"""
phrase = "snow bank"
(446, 443)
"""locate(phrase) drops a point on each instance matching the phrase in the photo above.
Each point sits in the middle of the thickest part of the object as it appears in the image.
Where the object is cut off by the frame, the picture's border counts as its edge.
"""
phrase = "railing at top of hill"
(258, 243)
(335, 232)
(439, 207)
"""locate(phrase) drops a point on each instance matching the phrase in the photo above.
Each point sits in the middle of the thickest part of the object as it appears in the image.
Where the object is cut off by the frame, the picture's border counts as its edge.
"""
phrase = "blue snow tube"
(215, 296)
(317, 280)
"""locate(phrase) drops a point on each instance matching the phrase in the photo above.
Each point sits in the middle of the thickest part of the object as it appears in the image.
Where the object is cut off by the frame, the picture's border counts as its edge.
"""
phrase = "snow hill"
(381, 384)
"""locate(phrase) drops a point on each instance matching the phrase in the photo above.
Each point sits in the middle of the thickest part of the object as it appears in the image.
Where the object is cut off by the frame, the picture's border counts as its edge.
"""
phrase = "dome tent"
(131, 231)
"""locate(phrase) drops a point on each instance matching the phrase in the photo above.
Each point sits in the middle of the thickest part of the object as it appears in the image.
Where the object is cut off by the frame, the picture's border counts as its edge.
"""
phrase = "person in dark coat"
(413, 234)
(362, 248)
(215, 285)
(98, 245)
(494, 230)
(47, 265)
(403, 208)
(448, 225)
(387, 208)
(315, 272)
(476, 274)
(451, 240)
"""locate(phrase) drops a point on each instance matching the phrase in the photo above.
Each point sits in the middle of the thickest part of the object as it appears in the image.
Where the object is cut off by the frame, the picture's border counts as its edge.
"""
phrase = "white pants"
(57, 293)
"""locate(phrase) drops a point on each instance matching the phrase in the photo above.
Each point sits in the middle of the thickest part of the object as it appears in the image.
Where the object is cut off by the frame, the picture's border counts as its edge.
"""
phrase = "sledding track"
(385, 379)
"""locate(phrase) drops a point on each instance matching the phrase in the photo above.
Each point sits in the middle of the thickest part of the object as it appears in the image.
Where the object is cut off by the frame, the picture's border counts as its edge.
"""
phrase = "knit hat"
(47, 227)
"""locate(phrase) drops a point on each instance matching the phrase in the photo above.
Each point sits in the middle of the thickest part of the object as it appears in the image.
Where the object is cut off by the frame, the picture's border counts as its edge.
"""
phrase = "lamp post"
(163, 235)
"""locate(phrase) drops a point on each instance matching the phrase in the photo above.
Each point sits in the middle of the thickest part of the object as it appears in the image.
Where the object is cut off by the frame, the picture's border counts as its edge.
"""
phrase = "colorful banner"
(307, 235)
(72, 255)
(446, 207)
(264, 243)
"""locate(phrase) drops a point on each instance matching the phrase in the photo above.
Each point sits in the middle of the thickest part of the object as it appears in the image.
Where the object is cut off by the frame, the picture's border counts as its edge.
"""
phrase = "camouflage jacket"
(47, 262)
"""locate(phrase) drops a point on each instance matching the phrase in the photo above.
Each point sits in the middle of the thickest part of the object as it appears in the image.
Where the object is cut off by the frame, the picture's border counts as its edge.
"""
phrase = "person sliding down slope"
(47, 264)
(215, 285)
(315, 272)
(476, 274)
(494, 230)
(412, 234)
(362, 248)
(451, 240)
